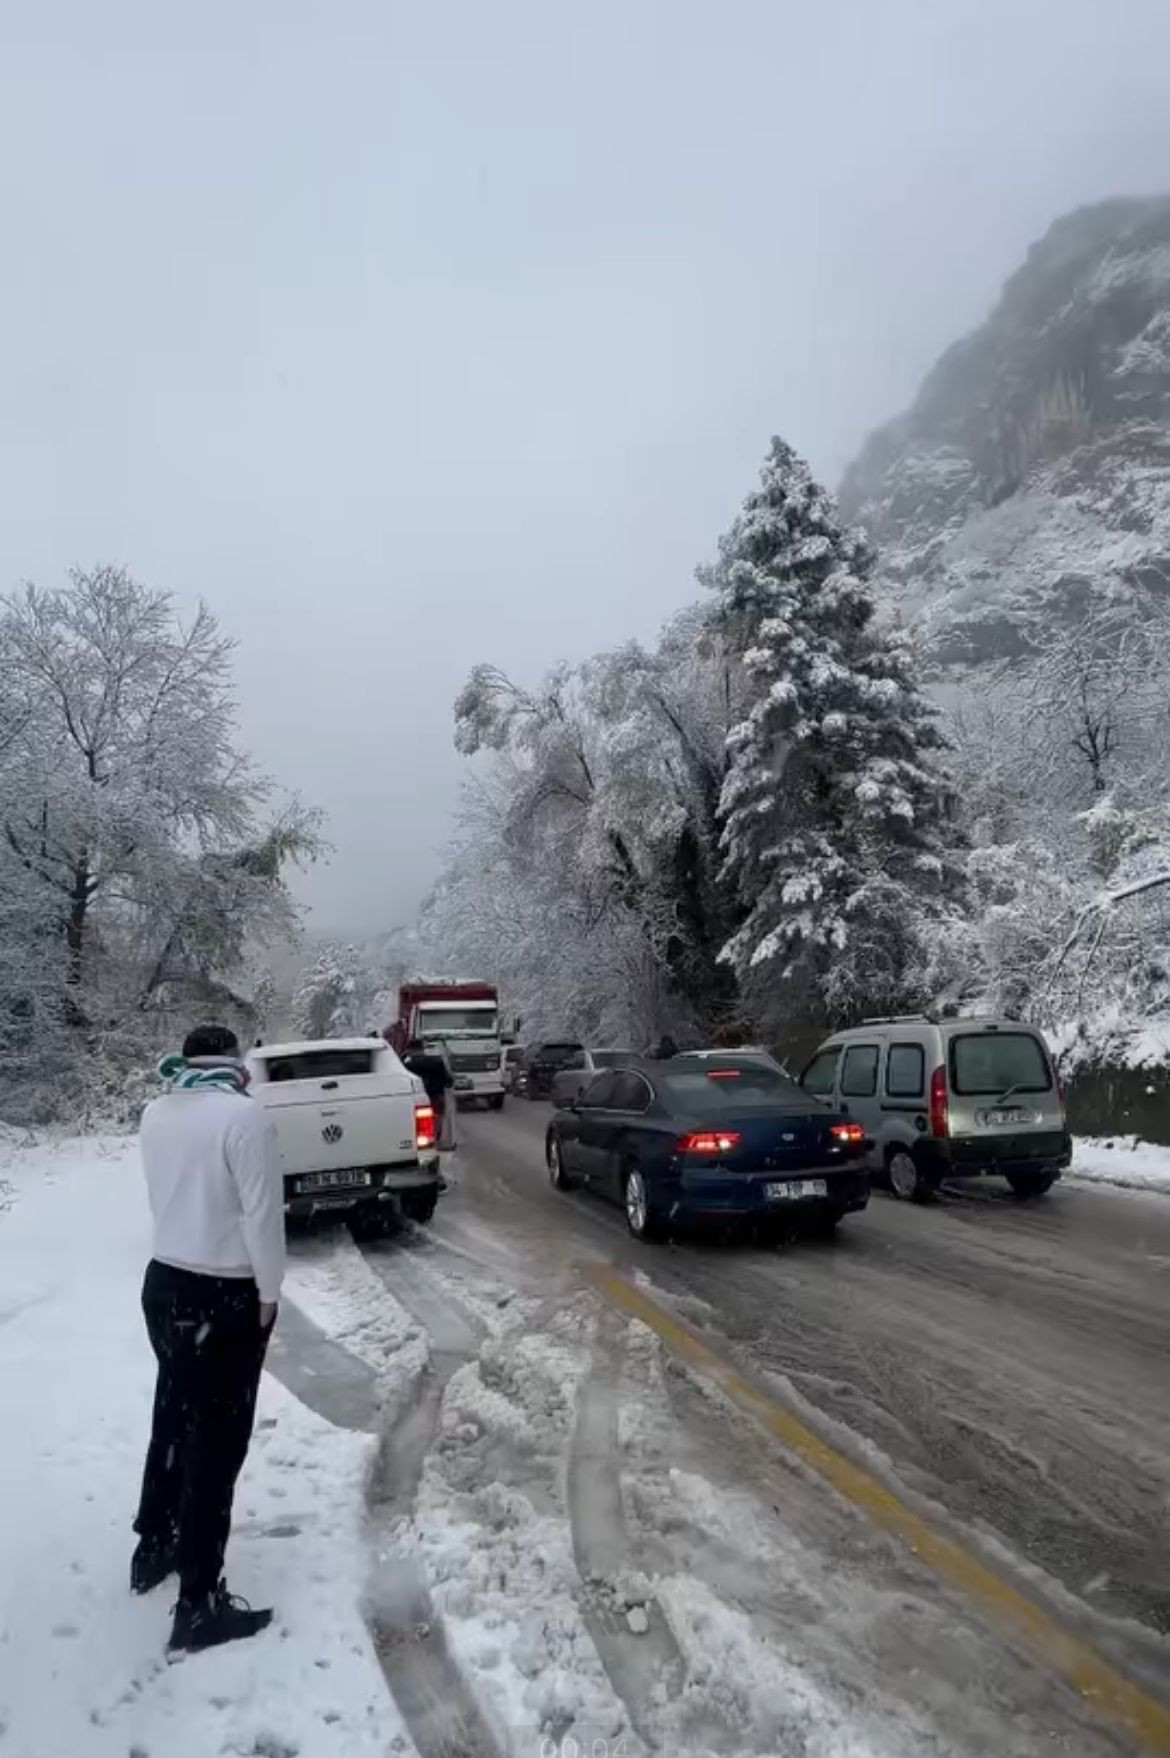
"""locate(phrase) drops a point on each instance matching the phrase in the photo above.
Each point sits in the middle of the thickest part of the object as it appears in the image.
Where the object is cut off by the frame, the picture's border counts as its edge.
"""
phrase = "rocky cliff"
(1030, 481)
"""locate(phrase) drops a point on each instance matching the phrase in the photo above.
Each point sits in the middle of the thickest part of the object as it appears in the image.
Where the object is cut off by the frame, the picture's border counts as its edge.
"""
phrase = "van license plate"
(330, 1180)
(463, 1083)
(796, 1188)
(1007, 1117)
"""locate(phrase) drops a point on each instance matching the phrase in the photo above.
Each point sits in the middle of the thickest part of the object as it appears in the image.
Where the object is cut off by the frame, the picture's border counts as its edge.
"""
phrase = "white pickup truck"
(357, 1132)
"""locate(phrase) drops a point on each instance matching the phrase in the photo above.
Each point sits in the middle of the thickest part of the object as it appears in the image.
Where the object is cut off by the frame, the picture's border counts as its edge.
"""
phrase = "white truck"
(464, 1018)
(356, 1130)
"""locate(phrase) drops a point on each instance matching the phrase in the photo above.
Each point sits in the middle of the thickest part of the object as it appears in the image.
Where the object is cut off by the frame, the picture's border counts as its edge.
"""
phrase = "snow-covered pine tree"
(837, 830)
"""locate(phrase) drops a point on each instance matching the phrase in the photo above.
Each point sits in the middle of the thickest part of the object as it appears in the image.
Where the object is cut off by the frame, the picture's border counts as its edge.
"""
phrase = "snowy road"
(1013, 1362)
(1007, 1365)
(501, 1520)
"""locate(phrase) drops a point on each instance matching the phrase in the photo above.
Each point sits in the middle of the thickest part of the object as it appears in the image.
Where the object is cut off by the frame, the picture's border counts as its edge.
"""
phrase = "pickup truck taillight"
(426, 1132)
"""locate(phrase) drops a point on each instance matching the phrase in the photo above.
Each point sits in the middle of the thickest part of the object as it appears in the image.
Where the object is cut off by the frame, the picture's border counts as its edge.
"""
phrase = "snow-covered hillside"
(1030, 481)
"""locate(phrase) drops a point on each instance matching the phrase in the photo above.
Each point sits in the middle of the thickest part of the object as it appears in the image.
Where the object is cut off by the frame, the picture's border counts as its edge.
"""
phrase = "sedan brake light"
(847, 1134)
(709, 1141)
(425, 1130)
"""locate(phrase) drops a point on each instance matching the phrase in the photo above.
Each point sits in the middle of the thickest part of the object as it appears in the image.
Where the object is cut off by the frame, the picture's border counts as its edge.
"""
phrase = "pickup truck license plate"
(796, 1188)
(330, 1180)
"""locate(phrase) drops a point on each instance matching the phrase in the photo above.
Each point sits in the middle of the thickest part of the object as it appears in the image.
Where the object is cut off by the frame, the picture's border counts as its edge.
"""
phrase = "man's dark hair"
(210, 1040)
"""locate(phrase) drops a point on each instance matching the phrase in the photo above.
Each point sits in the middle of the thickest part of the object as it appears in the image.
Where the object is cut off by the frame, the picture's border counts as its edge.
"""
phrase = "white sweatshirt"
(213, 1177)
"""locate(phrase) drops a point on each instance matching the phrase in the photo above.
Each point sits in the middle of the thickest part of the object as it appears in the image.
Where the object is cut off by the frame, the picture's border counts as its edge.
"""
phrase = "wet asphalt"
(1011, 1362)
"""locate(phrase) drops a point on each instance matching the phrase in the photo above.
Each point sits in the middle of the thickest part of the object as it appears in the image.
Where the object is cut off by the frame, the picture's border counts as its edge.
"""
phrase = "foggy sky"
(413, 336)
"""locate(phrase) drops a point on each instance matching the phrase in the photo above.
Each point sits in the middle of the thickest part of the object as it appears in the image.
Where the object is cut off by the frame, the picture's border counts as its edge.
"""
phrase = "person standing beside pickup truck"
(434, 1070)
(213, 1180)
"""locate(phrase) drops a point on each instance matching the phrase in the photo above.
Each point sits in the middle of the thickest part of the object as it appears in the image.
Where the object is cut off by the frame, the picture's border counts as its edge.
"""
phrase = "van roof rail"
(900, 1019)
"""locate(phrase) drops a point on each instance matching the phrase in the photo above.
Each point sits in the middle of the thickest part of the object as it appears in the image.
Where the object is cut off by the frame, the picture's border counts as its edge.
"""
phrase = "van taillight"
(425, 1132)
(940, 1107)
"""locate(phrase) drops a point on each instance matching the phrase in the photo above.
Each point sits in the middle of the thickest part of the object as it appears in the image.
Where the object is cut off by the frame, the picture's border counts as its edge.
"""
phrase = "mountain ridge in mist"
(1029, 482)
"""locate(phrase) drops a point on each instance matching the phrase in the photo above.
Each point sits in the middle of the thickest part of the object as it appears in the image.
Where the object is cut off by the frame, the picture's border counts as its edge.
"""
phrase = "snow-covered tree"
(599, 805)
(138, 863)
(335, 994)
(838, 830)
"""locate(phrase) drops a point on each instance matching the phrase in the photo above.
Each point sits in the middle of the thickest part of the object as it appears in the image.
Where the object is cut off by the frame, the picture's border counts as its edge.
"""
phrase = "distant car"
(948, 1097)
(721, 1138)
(544, 1061)
(570, 1081)
(513, 1063)
(356, 1130)
(756, 1052)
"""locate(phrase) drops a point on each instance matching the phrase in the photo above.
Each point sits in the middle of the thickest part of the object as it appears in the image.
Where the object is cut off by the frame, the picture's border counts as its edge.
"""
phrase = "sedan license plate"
(330, 1180)
(796, 1188)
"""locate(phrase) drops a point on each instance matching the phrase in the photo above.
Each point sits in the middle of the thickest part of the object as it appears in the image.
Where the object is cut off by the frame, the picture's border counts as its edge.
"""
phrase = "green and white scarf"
(202, 1072)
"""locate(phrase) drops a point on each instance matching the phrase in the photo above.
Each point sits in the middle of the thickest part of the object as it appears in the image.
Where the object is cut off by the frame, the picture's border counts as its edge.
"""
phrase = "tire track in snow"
(322, 1373)
(425, 1681)
(630, 1631)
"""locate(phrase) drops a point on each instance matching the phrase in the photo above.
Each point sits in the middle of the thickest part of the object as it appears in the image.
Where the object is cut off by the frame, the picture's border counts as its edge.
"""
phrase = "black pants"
(206, 1334)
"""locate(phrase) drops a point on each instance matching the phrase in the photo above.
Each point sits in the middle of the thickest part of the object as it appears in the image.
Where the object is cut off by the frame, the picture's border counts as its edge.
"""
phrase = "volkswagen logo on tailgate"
(332, 1133)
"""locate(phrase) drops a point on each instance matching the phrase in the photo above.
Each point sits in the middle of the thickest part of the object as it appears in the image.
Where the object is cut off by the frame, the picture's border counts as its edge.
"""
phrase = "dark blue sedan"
(721, 1138)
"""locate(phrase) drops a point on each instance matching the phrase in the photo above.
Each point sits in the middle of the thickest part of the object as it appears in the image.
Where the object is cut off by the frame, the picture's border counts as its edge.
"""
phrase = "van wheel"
(1026, 1185)
(907, 1180)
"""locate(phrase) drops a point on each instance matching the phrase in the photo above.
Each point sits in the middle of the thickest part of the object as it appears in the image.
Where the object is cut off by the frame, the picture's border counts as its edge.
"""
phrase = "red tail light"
(709, 1141)
(426, 1132)
(847, 1134)
(940, 1105)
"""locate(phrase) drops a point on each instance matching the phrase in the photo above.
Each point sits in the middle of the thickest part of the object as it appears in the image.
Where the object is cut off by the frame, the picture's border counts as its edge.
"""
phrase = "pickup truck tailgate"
(340, 1121)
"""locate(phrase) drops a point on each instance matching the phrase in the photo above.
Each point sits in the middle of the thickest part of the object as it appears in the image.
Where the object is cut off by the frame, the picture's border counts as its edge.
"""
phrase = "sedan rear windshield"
(726, 1088)
(320, 1064)
(999, 1062)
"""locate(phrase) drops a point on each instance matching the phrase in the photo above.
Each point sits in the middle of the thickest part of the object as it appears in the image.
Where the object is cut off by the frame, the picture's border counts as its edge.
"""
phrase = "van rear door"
(339, 1106)
(1001, 1082)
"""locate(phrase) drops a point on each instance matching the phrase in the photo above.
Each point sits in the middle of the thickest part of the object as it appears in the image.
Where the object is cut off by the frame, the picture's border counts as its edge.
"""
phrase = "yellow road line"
(1064, 1652)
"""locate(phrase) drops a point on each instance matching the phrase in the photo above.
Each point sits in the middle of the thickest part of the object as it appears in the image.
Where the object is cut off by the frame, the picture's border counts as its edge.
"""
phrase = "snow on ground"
(492, 1534)
(333, 1285)
(82, 1667)
(1124, 1160)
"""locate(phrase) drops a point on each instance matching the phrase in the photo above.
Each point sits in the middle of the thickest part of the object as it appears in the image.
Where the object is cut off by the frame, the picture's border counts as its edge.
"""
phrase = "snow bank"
(82, 1666)
(1124, 1160)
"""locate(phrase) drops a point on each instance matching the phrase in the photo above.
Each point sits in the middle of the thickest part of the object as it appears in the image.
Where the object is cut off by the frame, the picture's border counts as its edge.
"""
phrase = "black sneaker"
(209, 1622)
(150, 1565)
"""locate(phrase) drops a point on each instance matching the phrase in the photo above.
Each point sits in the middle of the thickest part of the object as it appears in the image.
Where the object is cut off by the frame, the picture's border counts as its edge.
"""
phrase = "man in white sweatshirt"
(213, 1179)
